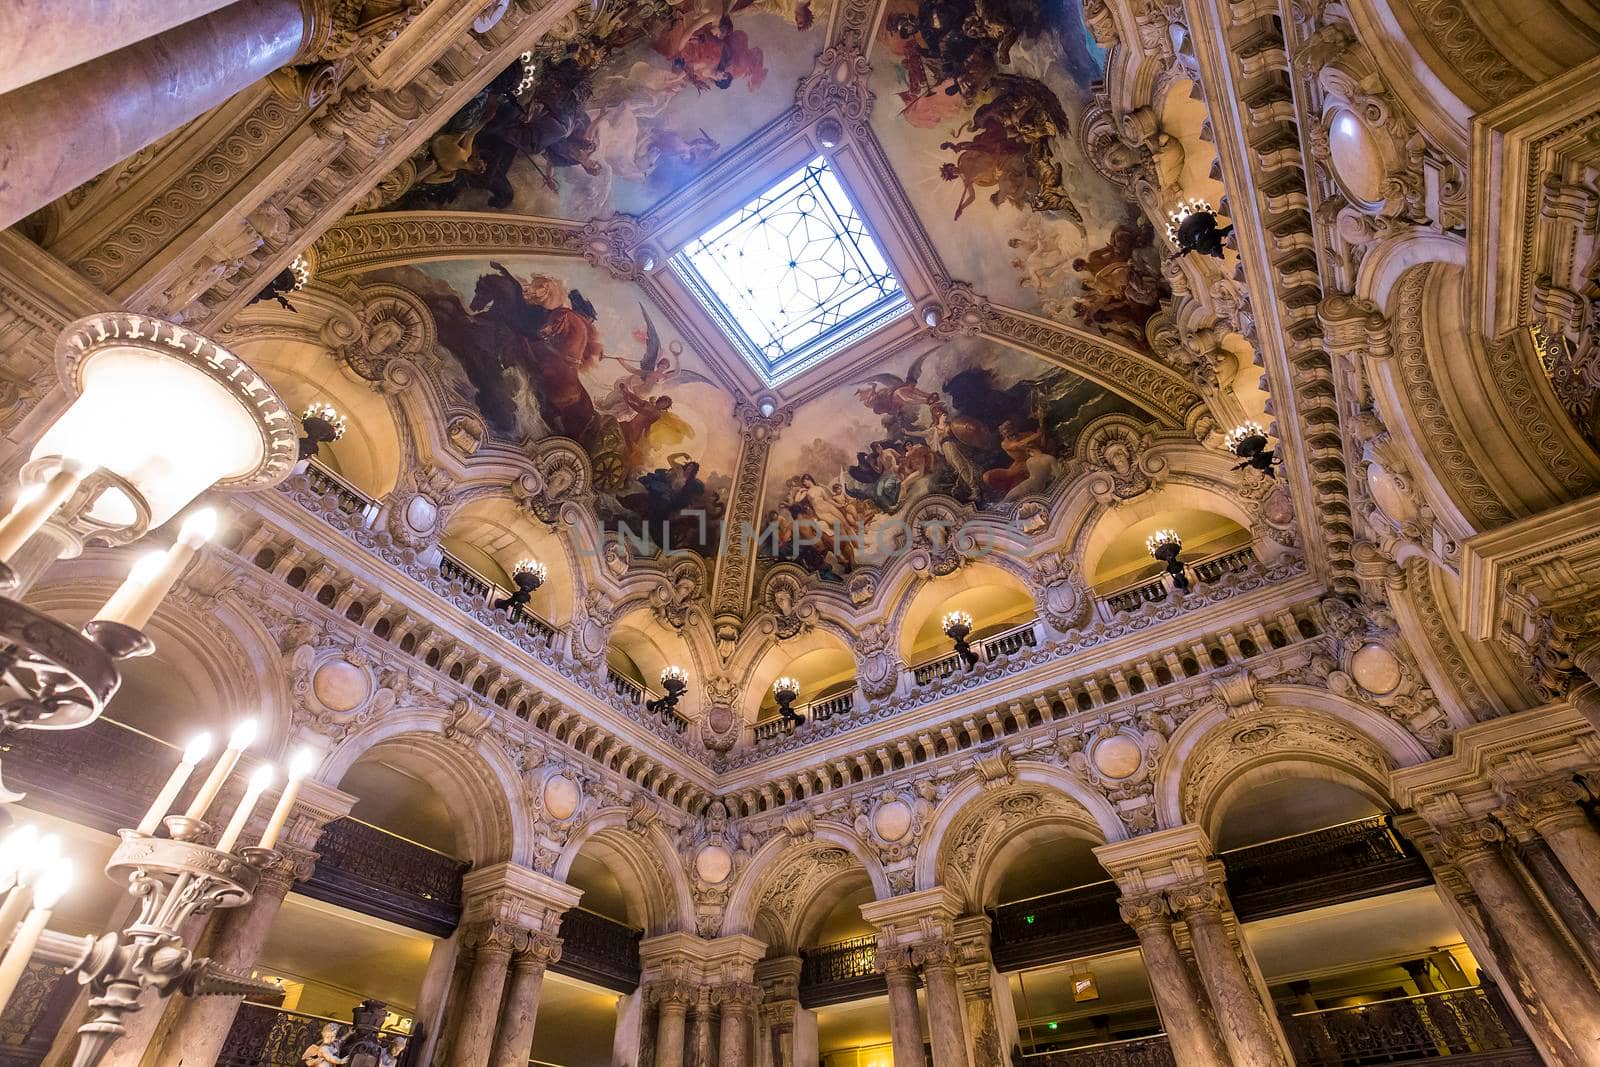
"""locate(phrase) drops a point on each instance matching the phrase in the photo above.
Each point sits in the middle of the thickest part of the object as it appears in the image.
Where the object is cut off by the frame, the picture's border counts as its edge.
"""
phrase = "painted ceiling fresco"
(543, 346)
(625, 114)
(978, 107)
(985, 424)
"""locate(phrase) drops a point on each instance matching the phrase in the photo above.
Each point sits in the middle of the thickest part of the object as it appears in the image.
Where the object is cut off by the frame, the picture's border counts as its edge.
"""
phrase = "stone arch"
(491, 534)
(973, 829)
(989, 590)
(476, 782)
(783, 878)
(646, 865)
(1313, 728)
(1178, 504)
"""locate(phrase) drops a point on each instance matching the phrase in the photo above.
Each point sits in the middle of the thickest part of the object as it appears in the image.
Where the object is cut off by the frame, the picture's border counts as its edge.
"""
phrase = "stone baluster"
(1191, 1031)
(513, 1043)
(738, 1001)
(905, 1018)
(1247, 1027)
(946, 1030)
(1560, 986)
(672, 998)
(479, 1011)
(104, 110)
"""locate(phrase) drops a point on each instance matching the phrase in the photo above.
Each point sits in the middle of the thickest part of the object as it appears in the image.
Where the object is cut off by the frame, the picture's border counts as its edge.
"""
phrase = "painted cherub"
(326, 1052)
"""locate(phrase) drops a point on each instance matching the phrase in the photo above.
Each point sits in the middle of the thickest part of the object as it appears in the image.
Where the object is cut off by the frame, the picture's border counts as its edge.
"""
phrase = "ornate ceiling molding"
(363, 243)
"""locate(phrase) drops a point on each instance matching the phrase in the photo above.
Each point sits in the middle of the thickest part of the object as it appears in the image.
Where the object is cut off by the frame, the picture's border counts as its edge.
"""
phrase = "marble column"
(37, 40)
(905, 1020)
(781, 1013)
(1558, 982)
(233, 942)
(433, 996)
(673, 997)
(1190, 1030)
(738, 1001)
(700, 1039)
(513, 1042)
(479, 1010)
(1559, 890)
(946, 1031)
(1247, 1029)
(58, 132)
(1551, 808)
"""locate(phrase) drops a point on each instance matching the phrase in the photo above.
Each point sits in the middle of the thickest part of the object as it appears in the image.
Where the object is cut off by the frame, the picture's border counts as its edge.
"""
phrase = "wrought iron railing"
(841, 971)
(1469, 1023)
(816, 711)
(265, 1036)
(1353, 861)
(1154, 590)
(599, 950)
(372, 871)
(104, 775)
(1135, 1052)
(36, 1011)
(1067, 925)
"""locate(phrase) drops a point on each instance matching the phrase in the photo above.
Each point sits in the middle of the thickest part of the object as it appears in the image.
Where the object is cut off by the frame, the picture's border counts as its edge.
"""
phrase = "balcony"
(634, 695)
(989, 649)
(103, 775)
(1134, 1052)
(265, 1036)
(322, 492)
(842, 971)
(481, 592)
(1061, 926)
(816, 711)
(38, 1009)
(1155, 590)
(1469, 1026)
(599, 950)
(1359, 859)
(374, 872)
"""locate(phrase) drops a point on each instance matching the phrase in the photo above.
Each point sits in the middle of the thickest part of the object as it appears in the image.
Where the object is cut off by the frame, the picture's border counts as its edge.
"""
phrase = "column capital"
(1547, 803)
(1151, 862)
(1200, 897)
(291, 865)
(516, 896)
(894, 960)
(737, 996)
(1144, 911)
(673, 993)
(492, 937)
(536, 948)
(935, 951)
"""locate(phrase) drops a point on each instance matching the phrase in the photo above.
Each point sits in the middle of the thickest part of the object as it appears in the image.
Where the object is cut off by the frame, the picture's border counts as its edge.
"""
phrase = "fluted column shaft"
(480, 1010)
(945, 1030)
(1246, 1028)
(513, 1042)
(234, 942)
(1558, 980)
(674, 998)
(102, 111)
(1190, 1031)
(905, 1020)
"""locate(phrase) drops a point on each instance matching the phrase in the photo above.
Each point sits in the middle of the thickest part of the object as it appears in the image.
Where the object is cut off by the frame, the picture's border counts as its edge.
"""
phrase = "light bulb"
(200, 525)
(198, 748)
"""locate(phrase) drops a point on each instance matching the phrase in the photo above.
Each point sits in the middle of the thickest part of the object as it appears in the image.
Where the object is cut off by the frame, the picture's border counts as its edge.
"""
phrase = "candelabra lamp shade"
(321, 424)
(786, 689)
(957, 624)
(164, 414)
(529, 574)
(674, 679)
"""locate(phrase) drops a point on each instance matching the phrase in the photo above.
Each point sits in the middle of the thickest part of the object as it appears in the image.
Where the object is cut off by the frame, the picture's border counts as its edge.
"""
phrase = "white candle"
(260, 778)
(51, 886)
(45, 853)
(36, 504)
(299, 767)
(238, 741)
(154, 575)
(195, 751)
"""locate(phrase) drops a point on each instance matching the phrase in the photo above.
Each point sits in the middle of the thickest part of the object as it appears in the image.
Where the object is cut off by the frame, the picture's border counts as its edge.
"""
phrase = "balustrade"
(599, 950)
(841, 971)
(1134, 1052)
(1005, 643)
(1352, 861)
(475, 586)
(375, 872)
(1066, 925)
(1470, 1025)
(345, 498)
(816, 711)
(266, 1036)
(1155, 590)
(103, 775)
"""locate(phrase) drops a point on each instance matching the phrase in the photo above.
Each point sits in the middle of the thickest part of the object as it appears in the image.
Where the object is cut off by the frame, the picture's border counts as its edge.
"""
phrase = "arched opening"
(491, 535)
(368, 454)
(641, 648)
(1117, 555)
(996, 599)
(819, 661)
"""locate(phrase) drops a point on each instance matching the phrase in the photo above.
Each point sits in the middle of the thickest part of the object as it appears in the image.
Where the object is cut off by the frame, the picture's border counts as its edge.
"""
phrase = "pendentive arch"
(645, 863)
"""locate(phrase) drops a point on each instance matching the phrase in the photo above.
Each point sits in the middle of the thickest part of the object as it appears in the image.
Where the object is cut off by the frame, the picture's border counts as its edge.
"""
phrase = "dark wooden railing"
(37, 1011)
(372, 871)
(264, 1036)
(103, 775)
(1468, 1026)
(599, 950)
(841, 971)
(1354, 861)
(1060, 926)
(1135, 1052)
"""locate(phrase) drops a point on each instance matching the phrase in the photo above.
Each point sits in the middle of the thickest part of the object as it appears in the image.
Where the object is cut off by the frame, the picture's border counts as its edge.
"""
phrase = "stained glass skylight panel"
(793, 276)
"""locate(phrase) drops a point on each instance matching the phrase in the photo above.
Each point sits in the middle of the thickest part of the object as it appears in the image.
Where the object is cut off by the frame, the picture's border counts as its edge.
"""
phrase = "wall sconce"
(1248, 441)
(958, 627)
(785, 690)
(529, 575)
(294, 277)
(322, 425)
(674, 680)
(1164, 546)
(1193, 228)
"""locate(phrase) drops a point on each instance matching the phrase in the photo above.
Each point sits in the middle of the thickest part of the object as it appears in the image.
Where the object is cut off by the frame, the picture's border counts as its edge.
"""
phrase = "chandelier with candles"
(159, 415)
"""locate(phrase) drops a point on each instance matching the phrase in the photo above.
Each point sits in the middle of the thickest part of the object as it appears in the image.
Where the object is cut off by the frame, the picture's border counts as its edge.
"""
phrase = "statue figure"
(325, 1053)
(394, 1052)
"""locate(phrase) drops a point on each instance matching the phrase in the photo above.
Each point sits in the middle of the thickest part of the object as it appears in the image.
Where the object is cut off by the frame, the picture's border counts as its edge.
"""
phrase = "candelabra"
(1193, 228)
(529, 575)
(1248, 441)
(785, 690)
(1165, 546)
(159, 414)
(958, 627)
(674, 680)
(321, 425)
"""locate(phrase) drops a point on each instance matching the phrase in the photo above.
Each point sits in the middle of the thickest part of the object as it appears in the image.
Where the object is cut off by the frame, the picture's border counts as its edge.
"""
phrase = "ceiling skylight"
(793, 276)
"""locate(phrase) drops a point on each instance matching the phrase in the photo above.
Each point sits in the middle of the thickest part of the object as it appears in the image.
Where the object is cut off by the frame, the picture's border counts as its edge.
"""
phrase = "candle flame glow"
(243, 736)
(53, 885)
(198, 748)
